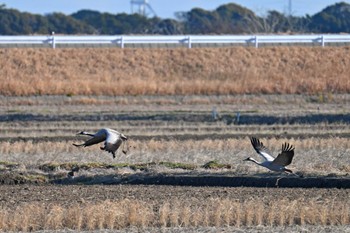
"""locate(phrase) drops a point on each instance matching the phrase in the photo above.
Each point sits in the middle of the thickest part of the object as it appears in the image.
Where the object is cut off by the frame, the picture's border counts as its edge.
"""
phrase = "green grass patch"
(178, 165)
(36, 178)
(4, 165)
(215, 165)
(51, 167)
(8, 164)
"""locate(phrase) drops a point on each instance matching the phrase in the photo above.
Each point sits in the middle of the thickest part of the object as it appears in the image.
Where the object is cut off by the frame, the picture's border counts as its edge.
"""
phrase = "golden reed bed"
(239, 70)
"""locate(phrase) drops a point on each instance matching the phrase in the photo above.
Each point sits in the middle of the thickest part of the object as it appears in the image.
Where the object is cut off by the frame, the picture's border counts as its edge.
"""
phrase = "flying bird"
(277, 164)
(112, 140)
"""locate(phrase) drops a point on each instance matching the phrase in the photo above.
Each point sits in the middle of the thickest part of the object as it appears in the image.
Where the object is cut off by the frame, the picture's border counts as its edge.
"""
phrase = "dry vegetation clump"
(214, 212)
(238, 70)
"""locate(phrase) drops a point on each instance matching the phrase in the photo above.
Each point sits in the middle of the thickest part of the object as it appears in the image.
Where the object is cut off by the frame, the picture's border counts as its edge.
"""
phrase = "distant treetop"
(226, 19)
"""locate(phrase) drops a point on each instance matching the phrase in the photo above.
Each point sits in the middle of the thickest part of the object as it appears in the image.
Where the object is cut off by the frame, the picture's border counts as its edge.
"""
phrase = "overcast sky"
(165, 8)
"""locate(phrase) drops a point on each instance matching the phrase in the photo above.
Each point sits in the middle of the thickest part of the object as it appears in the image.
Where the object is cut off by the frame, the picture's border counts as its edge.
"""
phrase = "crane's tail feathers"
(123, 149)
(291, 172)
(78, 145)
(288, 171)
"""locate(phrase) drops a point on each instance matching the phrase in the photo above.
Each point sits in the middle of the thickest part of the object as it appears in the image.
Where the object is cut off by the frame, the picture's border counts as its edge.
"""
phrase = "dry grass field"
(178, 207)
(163, 100)
(93, 71)
(170, 138)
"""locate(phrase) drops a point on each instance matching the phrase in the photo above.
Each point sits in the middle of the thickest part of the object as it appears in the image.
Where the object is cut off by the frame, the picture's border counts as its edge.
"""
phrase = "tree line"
(226, 19)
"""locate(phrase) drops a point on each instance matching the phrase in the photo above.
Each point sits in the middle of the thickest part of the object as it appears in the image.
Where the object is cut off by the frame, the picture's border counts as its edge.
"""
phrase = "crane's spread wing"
(261, 149)
(94, 140)
(286, 156)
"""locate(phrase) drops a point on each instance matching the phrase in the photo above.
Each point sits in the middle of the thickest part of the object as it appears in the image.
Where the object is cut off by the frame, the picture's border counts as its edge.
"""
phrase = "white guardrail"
(179, 40)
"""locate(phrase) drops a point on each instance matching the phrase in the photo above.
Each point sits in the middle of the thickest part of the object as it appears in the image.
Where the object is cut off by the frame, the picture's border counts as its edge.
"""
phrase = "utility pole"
(290, 11)
(142, 7)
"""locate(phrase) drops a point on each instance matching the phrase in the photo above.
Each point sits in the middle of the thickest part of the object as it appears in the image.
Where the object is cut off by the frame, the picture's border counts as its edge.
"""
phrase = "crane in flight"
(112, 140)
(277, 164)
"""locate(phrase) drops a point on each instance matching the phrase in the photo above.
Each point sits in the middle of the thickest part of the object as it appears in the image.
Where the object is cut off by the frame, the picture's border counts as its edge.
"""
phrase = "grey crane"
(277, 164)
(112, 140)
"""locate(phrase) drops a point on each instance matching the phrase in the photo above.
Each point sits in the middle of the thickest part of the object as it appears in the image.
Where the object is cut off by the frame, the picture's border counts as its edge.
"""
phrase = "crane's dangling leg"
(276, 184)
(125, 151)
